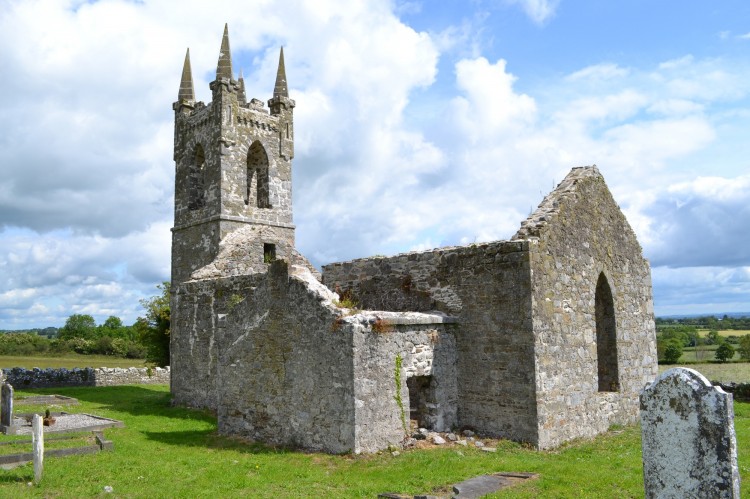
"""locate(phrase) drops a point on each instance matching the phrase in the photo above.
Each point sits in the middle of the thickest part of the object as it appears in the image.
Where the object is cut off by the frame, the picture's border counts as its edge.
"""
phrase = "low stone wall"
(740, 391)
(21, 378)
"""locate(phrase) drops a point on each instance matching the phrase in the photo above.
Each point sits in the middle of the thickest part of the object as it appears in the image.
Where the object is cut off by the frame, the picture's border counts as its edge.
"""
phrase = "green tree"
(725, 352)
(744, 348)
(78, 326)
(713, 338)
(672, 352)
(153, 329)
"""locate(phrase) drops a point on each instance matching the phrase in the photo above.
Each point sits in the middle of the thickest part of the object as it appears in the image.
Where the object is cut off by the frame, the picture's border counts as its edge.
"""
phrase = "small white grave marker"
(37, 432)
(688, 439)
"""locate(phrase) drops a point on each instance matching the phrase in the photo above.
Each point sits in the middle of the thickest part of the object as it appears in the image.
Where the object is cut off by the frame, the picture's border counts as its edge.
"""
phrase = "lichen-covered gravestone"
(689, 444)
(6, 405)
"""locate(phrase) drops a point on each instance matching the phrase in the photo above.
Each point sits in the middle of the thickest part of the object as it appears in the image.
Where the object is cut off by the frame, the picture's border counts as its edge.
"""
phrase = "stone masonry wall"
(487, 287)
(422, 344)
(21, 378)
(578, 233)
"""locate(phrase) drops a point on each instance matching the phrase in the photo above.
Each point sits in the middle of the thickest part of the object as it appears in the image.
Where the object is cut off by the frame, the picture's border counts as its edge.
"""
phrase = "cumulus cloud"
(86, 146)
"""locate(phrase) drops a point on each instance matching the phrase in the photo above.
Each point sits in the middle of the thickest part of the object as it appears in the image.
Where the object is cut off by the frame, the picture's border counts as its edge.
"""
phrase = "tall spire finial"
(241, 97)
(186, 83)
(224, 67)
(280, 89)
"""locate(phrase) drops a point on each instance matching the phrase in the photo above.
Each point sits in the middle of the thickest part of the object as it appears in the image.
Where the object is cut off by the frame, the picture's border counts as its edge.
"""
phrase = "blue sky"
(418, 124)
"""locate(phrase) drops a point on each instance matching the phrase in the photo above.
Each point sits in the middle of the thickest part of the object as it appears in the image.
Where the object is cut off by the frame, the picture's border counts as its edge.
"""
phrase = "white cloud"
(539, 11)
(489, 107)
(598, 72)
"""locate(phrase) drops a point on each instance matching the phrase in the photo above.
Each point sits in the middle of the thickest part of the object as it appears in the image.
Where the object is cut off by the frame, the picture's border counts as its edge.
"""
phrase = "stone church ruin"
(543, 338)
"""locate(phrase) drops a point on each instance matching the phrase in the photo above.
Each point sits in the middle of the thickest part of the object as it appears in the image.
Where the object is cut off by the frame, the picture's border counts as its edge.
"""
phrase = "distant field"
(739, 372)
(68, 361)
(725, 332)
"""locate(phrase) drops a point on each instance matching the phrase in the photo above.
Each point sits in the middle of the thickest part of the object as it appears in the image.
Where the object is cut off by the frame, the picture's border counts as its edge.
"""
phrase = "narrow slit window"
(269, 253)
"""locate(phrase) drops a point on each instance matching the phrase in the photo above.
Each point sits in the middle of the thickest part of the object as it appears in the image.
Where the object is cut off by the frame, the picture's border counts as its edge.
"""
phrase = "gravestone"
(37, 444)
(688, 439)
(6, 405)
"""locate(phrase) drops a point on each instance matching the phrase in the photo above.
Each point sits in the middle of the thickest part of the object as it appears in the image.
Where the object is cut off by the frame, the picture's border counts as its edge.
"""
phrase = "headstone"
(688, 439)
(6, 405)
(37, 439)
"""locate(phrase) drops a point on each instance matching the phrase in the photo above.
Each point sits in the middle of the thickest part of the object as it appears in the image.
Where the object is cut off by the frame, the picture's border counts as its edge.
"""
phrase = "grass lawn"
(69, 360)
(173, 452)
(732, 371)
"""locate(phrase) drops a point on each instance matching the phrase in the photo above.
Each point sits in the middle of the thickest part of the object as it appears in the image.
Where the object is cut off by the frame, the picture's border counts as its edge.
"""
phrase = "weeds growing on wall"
(382, 326)
(399, 401)
(346, 299)
(234, 300)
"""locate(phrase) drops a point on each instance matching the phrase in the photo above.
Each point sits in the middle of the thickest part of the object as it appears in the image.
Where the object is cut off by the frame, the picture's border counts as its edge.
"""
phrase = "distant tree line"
(674, 335)
(147, 338)
(707, 322)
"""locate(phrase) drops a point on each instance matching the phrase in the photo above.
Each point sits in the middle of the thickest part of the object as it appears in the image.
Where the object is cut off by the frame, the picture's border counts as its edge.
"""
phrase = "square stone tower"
(233, 163)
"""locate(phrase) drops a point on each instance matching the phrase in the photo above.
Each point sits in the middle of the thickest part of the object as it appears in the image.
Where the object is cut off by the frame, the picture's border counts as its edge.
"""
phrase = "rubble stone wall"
(21, 378)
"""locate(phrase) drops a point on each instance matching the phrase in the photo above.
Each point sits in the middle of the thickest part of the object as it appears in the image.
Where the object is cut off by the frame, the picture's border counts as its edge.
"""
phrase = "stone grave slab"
(47, 400)
(64, 422)
(473, 488)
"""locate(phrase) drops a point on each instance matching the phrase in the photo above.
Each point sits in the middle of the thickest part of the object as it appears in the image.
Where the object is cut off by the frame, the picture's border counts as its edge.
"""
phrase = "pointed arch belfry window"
(257, 192)
(606, 337)
(196, 180)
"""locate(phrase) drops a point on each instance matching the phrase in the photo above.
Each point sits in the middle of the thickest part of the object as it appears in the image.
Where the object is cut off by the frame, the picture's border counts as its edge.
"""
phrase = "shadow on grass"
(136, 400)
(208, 439)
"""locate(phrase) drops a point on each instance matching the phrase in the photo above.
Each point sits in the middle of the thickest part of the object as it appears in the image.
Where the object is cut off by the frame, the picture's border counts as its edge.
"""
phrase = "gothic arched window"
(606, 337)
(257, 192)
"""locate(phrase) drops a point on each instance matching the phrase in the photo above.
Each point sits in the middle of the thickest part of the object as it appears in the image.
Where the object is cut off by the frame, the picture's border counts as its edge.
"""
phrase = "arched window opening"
(196, 180)
(257, 192)
(606, 337)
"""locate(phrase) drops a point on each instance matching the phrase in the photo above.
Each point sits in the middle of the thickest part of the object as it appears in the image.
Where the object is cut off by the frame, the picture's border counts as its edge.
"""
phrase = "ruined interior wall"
(286, 374)
(579, 232)
(414, 344)
(196, 307)
(487, 288)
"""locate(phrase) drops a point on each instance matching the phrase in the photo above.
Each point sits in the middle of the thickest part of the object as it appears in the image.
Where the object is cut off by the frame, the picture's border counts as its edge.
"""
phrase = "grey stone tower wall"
(577, 233)
(226, 129)
(487, 288)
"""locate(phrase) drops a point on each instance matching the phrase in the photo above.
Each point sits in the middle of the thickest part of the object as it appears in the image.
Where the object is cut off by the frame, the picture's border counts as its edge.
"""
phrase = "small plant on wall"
(399, 401)
(346, 299)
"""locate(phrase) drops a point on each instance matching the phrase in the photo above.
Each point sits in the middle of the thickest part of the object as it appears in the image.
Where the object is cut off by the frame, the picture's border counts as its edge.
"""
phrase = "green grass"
(738, 372)
(69, 360)
(173, 452)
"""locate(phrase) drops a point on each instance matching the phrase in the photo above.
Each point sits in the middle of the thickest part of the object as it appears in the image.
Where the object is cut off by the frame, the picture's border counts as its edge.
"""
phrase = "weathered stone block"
(688, 438)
